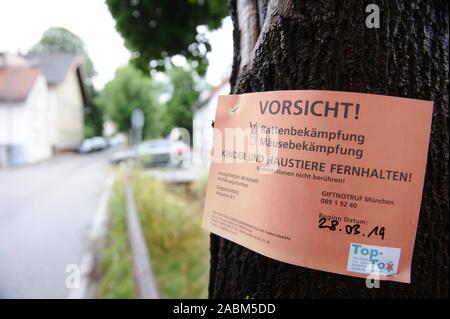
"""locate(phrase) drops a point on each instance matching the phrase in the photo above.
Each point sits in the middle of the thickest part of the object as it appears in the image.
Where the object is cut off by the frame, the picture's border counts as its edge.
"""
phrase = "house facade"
(67, 96)
(204, 115)
(24, 116)
(41, 107)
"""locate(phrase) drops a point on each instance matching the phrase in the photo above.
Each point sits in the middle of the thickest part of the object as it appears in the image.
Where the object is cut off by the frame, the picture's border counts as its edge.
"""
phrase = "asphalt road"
(45, 213)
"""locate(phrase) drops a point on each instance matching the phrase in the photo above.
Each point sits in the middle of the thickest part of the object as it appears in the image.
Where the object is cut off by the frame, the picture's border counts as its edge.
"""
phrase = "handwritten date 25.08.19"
(351, 229)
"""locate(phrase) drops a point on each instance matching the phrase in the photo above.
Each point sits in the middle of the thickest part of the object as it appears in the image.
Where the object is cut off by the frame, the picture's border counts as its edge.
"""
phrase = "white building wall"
(25, 127)
(69, 112)
(39, 141)
(53, 117)
(202, 129)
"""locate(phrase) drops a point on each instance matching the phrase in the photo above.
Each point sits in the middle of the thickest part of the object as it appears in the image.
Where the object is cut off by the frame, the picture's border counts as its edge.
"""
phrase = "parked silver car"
(155, 152)
(93, 144)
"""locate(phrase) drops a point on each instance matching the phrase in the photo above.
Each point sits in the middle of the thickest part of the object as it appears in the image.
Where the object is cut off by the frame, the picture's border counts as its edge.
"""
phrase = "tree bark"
(325, 45)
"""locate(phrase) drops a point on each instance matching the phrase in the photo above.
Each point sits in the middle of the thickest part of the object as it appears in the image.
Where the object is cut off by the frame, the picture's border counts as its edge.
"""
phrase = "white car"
(92, 145)
(99, 143)
(86, 147)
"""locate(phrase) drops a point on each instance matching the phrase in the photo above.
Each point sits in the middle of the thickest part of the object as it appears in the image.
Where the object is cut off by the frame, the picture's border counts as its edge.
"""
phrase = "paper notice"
(320, 179)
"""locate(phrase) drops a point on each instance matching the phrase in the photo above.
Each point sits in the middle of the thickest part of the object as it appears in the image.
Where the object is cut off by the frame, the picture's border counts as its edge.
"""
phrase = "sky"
(22, 23)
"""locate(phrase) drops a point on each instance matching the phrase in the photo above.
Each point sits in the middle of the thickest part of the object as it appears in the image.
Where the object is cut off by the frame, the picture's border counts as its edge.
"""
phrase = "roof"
(55, 66)
(16, 83)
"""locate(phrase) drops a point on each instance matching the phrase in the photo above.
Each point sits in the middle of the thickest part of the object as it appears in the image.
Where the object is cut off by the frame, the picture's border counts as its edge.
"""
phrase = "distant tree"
(93, 117)
(178, 110)
(131, 89)
(61, 40)
(157, 29)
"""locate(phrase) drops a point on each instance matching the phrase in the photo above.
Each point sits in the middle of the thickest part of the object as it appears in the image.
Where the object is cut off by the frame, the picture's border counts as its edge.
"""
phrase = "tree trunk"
(325, 45)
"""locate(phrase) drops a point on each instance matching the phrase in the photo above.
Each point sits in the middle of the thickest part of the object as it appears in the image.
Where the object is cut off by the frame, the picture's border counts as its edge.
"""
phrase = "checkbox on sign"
(253, 128)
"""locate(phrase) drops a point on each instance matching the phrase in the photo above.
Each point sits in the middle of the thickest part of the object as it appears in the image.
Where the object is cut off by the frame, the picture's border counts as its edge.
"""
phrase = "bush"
(177, 244)
(178, 247)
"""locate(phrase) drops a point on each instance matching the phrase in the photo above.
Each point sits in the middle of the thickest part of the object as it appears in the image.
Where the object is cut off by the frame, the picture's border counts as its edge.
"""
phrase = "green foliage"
(93, 117)
(130, 89)
(93, 120)
(178, 110)
(199, 187)
(61, 40)
(177, 244)
(117, 279)
(89, 131)
(157, 29)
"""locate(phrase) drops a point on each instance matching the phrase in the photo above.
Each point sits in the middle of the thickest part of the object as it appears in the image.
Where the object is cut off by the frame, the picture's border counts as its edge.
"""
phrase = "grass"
(116, 264)
(171, 222)
(178, 246)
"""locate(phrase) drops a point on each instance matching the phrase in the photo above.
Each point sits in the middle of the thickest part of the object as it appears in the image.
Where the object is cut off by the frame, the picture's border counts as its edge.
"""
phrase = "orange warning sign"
(321, 179)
